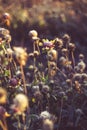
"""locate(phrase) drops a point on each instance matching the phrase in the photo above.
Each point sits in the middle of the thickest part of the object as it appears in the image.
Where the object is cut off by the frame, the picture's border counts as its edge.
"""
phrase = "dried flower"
(6, 16)
(81, 57)
(4, 32)
(48, 124)
(78, 86)
(38, 95)
(71, 46)
(3, 96)
(35, 88)
(20, 104)
(77, 76)
(8, 38)
(66, 38)
(45, 88)
(45, 115)
(52, 55)
(36, 53)
(33, 34)
(84, 76)
(58, 43)
(62, 60)
(31, 55)
(21, 55)
(64, 52)
(81, 65)
(6, 19)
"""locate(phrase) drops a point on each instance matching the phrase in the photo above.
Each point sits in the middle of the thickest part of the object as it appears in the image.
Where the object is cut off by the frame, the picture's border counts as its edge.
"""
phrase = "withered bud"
(31, 67)
(81, 57)
(68, 81)
(8, 38)
(77, 76)
(33, 33)
(6, 16)
(71, 46)
(81, 65)
(64, 51)
(36, 53)
(35, 88)
(52, 55)
(84, 76)
(66, 38)
(58, 43)
(4, 32)
(31, 55)
(45, 115)
(20, 104)
(62, 60)
(38, 95)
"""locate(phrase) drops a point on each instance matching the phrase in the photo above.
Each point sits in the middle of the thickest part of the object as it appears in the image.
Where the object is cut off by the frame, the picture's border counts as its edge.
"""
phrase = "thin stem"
(61, 72)
(59, 121)
(73, 59)
(3, 125)
(23, 78)
(24, 121)
(19, 124)
(38, 48)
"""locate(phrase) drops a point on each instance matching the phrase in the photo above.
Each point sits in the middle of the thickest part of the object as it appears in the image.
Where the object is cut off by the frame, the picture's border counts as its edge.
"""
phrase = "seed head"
(21, 55)
(45, 115)
(66, 38)
(33, 34)
(20, 104)
(52, 55)
(71, 46)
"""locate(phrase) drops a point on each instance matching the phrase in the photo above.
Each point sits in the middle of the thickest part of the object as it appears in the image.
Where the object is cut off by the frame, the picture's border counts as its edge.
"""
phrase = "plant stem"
(23, 78)
(3, 124)
(59, 121)
(73, 59)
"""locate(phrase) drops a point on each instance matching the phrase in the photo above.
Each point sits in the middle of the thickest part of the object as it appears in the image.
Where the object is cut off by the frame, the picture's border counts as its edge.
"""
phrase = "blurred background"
(51, 18)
